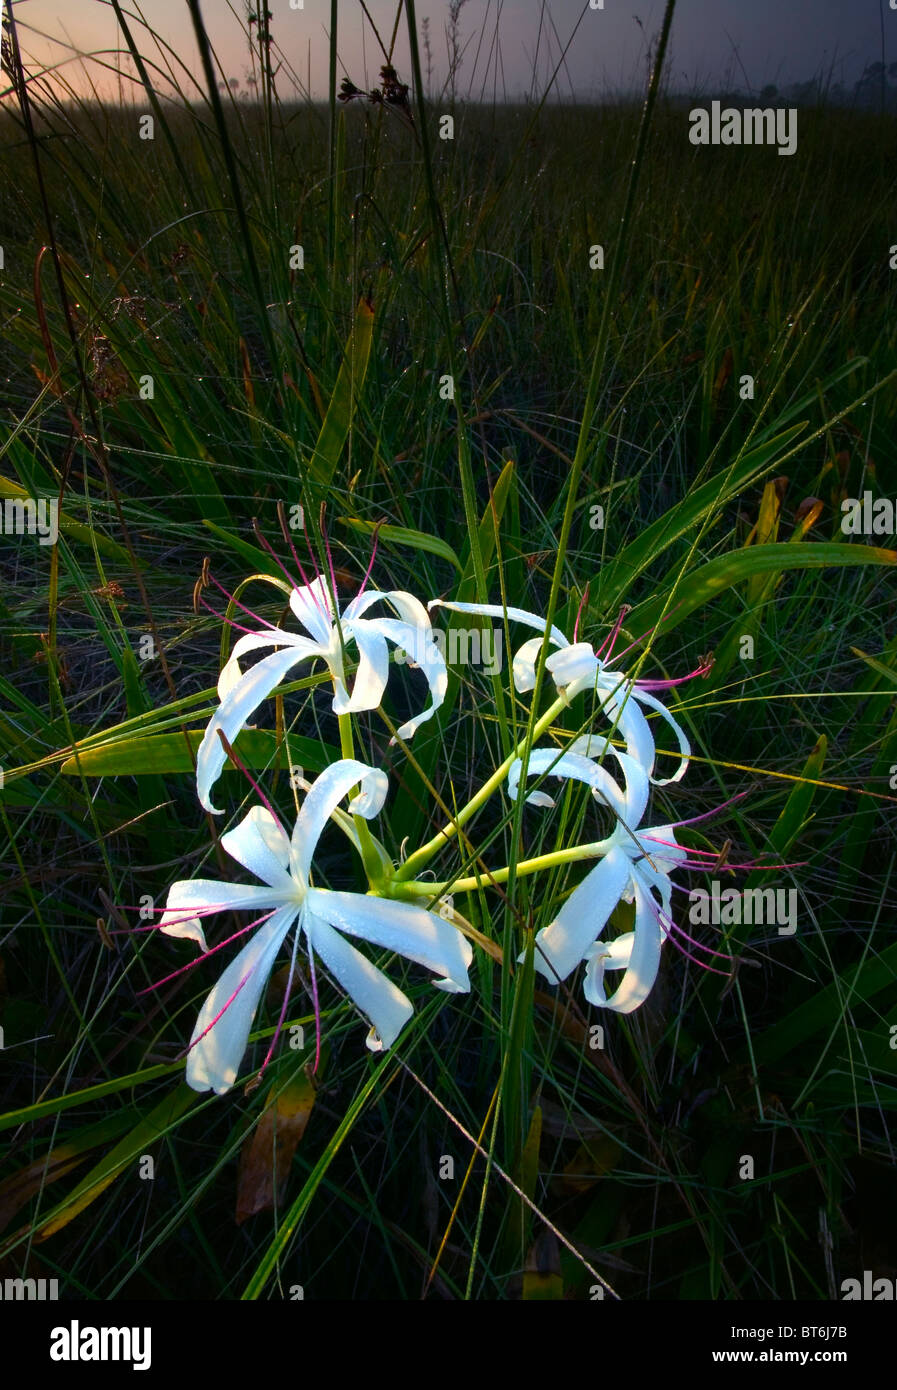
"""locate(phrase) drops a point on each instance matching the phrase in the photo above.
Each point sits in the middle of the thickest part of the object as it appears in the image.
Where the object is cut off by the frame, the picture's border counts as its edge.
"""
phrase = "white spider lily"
(287, 896)
(575, 668)
(241, 692)
(636, 864)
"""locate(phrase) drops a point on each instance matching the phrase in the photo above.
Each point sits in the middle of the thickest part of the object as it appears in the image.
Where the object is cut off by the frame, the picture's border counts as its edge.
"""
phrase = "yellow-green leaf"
(341, 410)
(155, 753)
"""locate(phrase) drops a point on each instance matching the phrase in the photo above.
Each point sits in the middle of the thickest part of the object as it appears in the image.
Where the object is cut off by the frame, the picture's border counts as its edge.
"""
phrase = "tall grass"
(424, 257)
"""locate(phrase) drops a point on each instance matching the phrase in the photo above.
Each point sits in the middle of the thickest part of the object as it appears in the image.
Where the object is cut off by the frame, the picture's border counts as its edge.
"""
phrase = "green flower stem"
(373, 864)
(484, 879)
(419, 858)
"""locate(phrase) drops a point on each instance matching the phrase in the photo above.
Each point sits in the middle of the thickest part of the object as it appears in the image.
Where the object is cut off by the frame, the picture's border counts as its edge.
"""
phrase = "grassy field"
(168, 378)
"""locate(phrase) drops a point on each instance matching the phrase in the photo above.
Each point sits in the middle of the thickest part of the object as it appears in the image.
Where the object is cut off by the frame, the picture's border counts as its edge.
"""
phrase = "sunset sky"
(778, 41)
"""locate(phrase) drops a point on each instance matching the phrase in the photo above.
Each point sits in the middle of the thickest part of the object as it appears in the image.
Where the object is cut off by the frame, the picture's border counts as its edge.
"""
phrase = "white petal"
(647, 698)
(376, 996)
(311, 605)
(637, 784)
(236, 708)
(573, 663)
(192, 893)
(213, 1060)
(327, 791)
(373, 669)
(523, 667)
(621, 712)
(495, 610)
(419, 645)
(232, 672)
(628, 806)
(563, 944)
(640, 956)
(261, 845)
(662, 858)
(402, 927)
(589, 745)
(410, 609)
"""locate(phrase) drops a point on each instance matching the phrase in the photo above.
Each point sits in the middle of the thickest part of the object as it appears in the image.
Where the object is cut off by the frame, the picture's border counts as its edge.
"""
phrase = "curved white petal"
(495, 610)
(311, 605)
(402, 927)
(535, 798)
(590, 745)
(618, 697)
(663, 855)
(646, 698)
(523, 667)
(409, 608)
(236, 708)
(605, 955)
(628, 806)
(419, 645)
(214, 1058)
(621, 712)
(209, 894)
(572, 663)
(232, 673)
(640, 956)
(563, 944)
(261, 845)
(374, 994)
(638, 787)
(327, 791)
(373, 669)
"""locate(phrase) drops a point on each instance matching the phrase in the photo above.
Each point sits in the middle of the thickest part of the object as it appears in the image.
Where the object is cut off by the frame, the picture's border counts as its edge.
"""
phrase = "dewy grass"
(249, 272)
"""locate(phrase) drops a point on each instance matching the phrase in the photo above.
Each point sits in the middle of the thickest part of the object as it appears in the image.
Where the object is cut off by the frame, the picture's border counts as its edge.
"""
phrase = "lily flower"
(636, 865)
(241, 692)
(286, 896)
(575, 668)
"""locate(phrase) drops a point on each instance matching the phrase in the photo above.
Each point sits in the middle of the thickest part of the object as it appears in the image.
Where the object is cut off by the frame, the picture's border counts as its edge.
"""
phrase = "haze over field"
(510, 47)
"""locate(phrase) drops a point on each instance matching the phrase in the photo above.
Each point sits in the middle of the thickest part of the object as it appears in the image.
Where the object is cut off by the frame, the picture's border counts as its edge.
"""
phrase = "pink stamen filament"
(699, 963)
(652, 634)
(326, 540)
(367, 573)
(204, 955)
(613, 635)
(671, 928)
(316, 1005)
(698, 945)
(274, 556)
(231, 622)
(283, 1008)
(241, 766)
(678, 680)
(229, 596)
(714, 854)
(289, 540)
(223, 1011)
(693, 820)
(309, 546)
(582, 604)
(187, 915)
